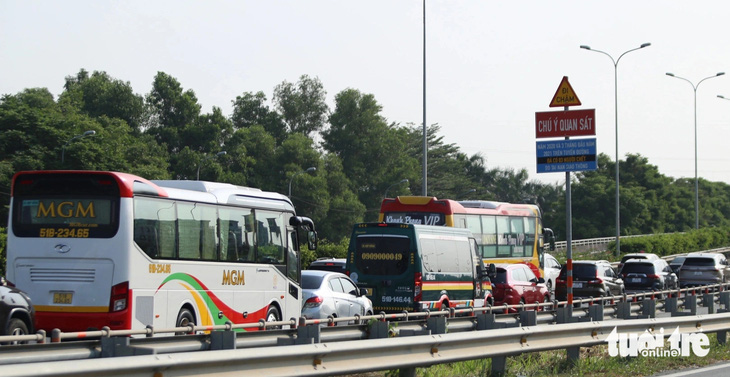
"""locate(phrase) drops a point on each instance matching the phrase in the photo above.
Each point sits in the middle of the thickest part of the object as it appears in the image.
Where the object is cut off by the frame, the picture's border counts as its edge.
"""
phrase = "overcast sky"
(490, 65)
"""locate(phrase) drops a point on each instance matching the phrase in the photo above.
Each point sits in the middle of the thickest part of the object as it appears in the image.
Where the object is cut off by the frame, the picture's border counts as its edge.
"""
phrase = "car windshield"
(580, 270)
(638, 268)
(311, 281)
(699, 261)
(501, 276)
(627, 257)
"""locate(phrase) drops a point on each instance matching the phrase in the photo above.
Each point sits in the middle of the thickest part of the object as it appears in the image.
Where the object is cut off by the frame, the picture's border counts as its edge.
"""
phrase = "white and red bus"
(97, 248)
(505, 232)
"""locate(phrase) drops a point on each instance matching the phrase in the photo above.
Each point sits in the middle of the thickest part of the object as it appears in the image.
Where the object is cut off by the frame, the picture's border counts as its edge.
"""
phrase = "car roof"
(642, 261)
(591, 262)
(700, 254)
(321, 273)
(509, 265)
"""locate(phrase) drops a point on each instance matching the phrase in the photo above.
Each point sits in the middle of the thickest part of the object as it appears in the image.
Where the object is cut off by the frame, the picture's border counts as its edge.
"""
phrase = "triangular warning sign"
(565, 96)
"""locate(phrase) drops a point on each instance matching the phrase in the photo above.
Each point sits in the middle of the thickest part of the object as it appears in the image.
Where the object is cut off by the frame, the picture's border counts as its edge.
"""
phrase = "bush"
(325, 249)
(676, 243)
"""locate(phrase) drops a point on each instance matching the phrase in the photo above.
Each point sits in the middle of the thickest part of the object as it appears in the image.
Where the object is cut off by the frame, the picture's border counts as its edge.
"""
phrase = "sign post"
(566, 155)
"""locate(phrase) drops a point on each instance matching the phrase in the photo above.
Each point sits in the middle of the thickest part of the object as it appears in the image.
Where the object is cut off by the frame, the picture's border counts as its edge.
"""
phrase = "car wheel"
(16, 326)
(365, 321)
(272, 315)
(184, 318)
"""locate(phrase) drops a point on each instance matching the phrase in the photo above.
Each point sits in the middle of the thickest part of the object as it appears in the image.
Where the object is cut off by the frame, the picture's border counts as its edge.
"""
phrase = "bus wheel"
(272, 315)
(184, 318)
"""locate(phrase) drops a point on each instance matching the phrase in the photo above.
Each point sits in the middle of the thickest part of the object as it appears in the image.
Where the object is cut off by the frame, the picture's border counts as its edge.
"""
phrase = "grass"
(594, 361)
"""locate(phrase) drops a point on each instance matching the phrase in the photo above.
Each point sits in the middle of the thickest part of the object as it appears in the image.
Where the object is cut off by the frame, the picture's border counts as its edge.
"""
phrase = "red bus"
(505, 232)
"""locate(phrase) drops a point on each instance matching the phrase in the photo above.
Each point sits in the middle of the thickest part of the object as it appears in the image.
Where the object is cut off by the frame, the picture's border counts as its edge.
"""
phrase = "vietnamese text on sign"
(566, 155)
(565, 123)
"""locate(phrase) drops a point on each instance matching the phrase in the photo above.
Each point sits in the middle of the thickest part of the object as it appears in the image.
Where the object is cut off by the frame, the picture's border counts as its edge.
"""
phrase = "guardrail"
(311, 349)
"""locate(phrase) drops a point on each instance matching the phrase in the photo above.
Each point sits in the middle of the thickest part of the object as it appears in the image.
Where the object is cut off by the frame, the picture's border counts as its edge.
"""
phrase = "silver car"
(327, 293)
(704, 269)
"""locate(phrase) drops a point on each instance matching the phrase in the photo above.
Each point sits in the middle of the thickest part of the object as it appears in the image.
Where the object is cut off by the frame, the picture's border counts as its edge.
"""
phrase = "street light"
(394, 184)
(221, 153)
(85, 134)
(615, 108)
(697, 182)
(296, 174)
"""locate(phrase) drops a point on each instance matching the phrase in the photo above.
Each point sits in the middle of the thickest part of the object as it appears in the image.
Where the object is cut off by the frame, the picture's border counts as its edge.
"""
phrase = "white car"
(551, 270)
(327, 293)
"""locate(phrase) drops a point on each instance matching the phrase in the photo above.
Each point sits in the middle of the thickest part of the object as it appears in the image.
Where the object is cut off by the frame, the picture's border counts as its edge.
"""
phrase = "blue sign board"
(566, 155)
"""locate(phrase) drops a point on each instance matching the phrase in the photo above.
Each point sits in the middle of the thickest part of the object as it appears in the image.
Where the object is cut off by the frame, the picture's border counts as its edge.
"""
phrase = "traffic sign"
(565, 96)
(566, 155)
(565, 123)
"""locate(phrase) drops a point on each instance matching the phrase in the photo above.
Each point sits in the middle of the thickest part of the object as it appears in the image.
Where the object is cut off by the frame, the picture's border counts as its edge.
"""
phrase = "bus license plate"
(62, 297)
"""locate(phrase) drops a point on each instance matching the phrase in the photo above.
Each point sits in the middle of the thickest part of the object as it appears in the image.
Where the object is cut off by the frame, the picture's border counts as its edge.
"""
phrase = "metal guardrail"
(433, 338)
(371, 354)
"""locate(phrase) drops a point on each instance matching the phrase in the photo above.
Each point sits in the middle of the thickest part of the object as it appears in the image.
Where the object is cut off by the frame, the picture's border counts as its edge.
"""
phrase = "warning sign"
(565, 96)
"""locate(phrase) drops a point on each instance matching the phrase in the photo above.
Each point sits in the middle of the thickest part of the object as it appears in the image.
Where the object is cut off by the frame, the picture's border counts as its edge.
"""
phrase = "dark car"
(648, 275)
(515, 284)
(16, 312)
(676, 264)
(328, 264)
(590, 279)
(647, 256)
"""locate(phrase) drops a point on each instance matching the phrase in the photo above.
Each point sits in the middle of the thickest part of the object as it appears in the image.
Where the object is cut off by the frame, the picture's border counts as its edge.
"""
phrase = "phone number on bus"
(64, 233)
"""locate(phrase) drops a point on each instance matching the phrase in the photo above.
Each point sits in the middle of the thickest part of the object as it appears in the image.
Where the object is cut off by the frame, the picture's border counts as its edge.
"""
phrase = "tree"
(303, 106)
(172, 109)
(374, 154)
(102, 95)
(250, 109)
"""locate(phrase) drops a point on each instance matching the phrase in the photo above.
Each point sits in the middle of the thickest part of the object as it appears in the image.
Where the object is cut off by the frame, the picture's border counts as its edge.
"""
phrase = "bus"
(505, 232)
(98, 249)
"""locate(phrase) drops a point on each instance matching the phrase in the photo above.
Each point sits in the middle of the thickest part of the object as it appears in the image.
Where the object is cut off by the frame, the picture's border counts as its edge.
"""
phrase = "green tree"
(101, 95)
(250, 109)
(172, 110)
(302, 105)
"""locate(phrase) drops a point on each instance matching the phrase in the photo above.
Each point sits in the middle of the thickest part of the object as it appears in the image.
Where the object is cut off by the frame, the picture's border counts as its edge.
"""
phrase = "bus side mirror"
(548, 233)
(491, 270)
(312, 240)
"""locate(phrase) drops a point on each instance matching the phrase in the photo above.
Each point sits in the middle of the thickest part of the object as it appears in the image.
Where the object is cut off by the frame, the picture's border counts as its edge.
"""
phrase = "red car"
(514, 284)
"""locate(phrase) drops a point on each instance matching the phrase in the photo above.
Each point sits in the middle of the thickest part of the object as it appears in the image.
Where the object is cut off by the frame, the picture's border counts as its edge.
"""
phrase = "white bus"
(95, 249)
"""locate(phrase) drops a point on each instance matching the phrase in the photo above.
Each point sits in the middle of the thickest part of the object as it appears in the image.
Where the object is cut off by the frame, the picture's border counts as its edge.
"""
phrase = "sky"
(490, 65)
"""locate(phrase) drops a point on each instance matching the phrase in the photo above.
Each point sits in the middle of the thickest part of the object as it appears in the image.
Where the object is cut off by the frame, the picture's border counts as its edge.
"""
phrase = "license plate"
(698, 272)
(369, 291)
(62, 297)
(636, 280)
(577, 284)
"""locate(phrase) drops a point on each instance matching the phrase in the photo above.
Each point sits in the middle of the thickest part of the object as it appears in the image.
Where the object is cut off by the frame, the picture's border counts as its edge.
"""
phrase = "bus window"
(154, 227)
(489, 238)
(504, 249)
(517, 236)
(271, 238)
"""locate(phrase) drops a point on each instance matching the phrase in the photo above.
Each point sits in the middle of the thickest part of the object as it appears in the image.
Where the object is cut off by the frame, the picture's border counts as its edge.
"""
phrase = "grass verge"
(594, 361)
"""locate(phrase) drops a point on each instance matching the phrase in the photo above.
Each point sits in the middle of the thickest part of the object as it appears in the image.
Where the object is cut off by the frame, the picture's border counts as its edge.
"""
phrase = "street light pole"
(63, 149)
(697, 182)
(221, 153)
(296, 174)
(394, 184)
(615, 109)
